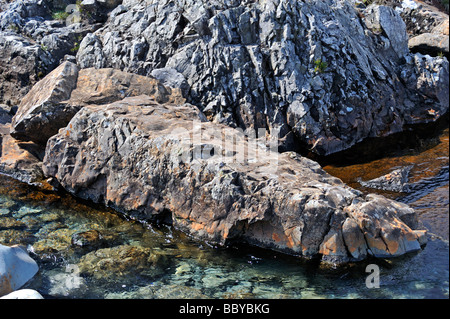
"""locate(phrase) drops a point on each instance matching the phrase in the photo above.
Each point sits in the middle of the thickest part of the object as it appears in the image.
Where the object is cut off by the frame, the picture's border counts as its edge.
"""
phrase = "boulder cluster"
(193, 113)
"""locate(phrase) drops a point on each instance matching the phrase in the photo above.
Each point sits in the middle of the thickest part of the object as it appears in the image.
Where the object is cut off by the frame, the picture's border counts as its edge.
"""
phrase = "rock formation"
(327, 76)
(427, 28)
(115, 127)
(53, 102)
(35, 36)
(164, 161)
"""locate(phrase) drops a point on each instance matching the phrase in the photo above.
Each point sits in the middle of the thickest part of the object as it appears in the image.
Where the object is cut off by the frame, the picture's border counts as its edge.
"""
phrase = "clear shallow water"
(125, 259)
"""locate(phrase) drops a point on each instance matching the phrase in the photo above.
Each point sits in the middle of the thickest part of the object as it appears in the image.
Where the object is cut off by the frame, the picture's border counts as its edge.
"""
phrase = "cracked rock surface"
(141, 158)
(320, 73)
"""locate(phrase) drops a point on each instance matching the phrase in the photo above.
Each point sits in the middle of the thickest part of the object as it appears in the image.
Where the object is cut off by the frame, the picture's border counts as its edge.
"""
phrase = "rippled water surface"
(86, 251)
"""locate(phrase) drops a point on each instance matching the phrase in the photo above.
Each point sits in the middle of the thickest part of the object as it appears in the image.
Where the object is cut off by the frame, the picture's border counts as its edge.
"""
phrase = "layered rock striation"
(164, 162)
(35, 37)
(325, 74)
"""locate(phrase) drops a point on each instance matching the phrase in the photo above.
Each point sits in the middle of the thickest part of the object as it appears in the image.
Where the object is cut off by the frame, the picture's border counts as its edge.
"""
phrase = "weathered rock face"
(40, 111)
(32, 44)
(19, 59)
(53, 101)
(423, 18)
(314, 69)
(51, 104)
(427, 27)
(18, 159)
(156, 161)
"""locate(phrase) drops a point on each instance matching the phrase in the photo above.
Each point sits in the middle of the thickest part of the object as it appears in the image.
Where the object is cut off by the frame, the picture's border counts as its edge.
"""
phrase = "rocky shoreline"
(191, 113)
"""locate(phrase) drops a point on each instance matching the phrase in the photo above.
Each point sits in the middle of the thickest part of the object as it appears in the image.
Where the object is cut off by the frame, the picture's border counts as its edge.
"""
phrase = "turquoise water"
(127, 259)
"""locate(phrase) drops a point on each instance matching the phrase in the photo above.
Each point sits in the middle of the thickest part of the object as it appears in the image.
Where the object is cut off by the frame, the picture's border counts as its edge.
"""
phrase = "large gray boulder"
(16, 268)
(385, 19)
(323, 75)
(165, 162)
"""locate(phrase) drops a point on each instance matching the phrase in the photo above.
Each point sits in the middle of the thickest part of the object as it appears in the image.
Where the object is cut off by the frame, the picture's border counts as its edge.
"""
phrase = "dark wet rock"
(395, 181)
(170, 291)
(53, 243)
(11, 223)
(91, 239)
(312, 69)
(16, 237)
(138, 156)
(430, 43)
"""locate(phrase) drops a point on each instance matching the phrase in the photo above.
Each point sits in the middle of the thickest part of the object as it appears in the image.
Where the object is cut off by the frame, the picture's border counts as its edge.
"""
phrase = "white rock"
(23, 294)
(16, 268)
(410, 4)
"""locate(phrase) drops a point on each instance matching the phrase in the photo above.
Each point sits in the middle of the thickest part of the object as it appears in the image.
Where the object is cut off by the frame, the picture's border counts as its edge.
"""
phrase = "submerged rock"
(91, 239)
(163, 161)
(119, 261)
(395, 181)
